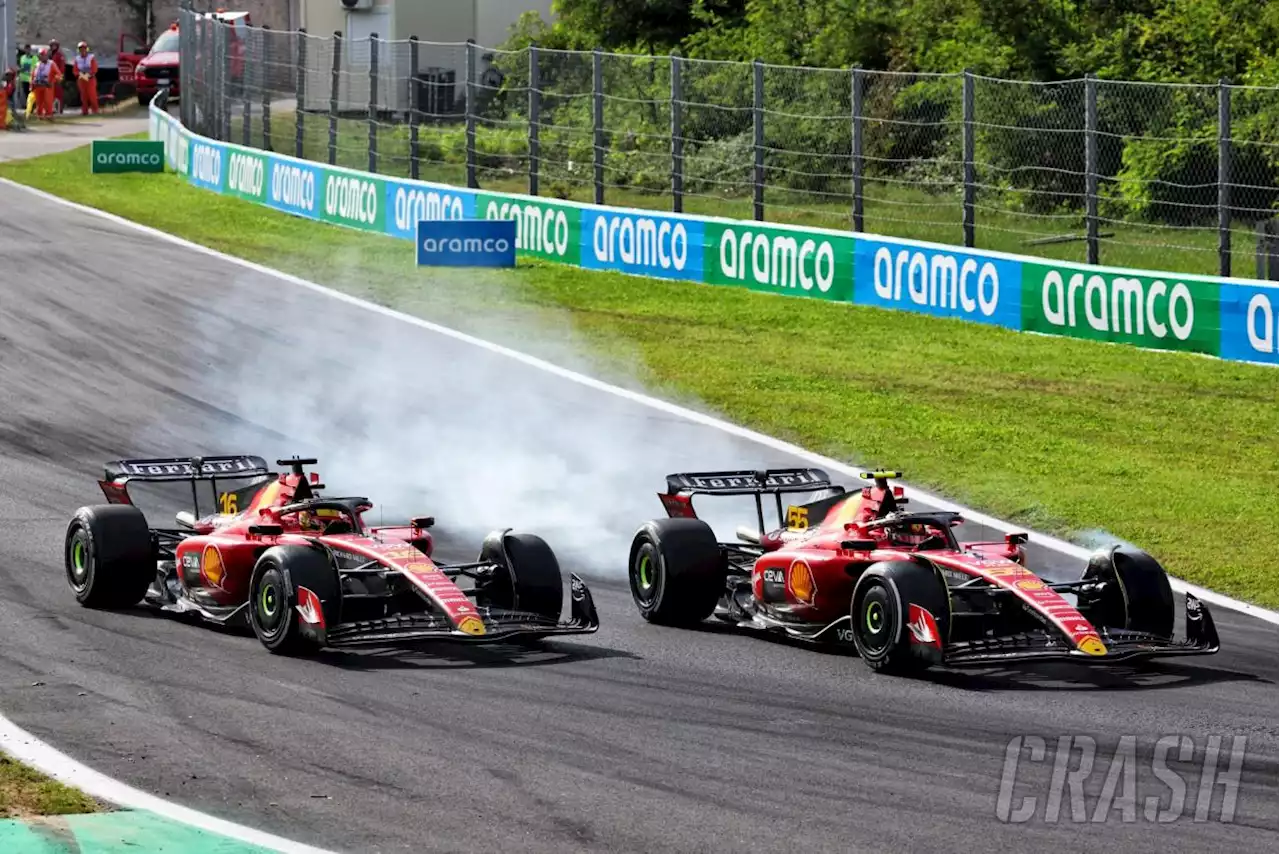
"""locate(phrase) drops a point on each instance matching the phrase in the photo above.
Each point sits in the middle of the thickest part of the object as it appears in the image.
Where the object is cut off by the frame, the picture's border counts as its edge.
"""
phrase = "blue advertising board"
(1248, 317)
(409, 203)
(207, 166)
(467, 243)
(295, 187)
(942, 282)
(650, 245)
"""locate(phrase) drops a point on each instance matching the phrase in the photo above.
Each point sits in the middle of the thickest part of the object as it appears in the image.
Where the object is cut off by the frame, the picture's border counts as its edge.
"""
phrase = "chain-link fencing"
(1161, 176)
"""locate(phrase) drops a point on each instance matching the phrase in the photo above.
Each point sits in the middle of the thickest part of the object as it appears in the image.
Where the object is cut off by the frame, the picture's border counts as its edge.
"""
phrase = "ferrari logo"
(471, 625)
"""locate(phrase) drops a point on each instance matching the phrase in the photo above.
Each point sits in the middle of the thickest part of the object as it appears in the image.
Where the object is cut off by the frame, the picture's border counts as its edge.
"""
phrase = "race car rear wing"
(776, 482)
(119, 473)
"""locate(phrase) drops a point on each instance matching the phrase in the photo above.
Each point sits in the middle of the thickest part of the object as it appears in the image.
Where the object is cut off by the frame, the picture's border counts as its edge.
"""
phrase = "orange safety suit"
(86, 65)
(44, 80)
(6, 92)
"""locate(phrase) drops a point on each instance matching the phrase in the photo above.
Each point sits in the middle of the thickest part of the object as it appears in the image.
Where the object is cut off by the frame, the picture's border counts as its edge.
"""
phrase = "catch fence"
(1162, 176)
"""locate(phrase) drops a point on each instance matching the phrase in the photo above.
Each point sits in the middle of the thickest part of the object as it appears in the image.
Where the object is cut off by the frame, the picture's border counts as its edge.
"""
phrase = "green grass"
(25, 792)
(1173, 452)
(890, 209)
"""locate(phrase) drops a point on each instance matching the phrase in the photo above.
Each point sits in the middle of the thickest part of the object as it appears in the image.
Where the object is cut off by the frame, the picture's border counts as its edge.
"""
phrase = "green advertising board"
(126, 155)
(355, 200)
(543, 229)
(805, 263)
(246, 175)
(1160, 313)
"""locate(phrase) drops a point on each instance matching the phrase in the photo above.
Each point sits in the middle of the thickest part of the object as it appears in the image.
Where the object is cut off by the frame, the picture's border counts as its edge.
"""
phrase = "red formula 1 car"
(303, 570)
(856, 568)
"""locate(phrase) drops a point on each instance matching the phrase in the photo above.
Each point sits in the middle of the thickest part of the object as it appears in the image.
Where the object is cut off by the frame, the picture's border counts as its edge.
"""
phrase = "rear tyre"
(109, 557)
(528, 578)
(273, 597)
(677, 571)
(880, 611)
(1136, 594)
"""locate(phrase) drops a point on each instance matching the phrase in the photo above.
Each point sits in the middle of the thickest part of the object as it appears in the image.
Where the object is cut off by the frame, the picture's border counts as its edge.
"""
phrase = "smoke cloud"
(423, 424)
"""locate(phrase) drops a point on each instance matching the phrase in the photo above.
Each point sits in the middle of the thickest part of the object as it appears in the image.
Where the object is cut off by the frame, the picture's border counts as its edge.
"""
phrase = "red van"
(160, 66)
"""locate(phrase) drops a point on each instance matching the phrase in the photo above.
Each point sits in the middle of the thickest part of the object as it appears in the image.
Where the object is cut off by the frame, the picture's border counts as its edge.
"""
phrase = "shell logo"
(211, 566)
(800, 582)
(471, 625)
(1030, 584)
(1092, 645)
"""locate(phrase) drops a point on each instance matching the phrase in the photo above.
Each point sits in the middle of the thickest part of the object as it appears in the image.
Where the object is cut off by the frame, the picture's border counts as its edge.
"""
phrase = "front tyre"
(274, 598)
(1134, 592)
(900, 614)
(528, 576)
(108, 555)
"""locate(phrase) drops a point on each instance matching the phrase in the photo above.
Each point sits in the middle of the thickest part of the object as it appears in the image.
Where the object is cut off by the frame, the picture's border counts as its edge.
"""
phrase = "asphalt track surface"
(635, 739)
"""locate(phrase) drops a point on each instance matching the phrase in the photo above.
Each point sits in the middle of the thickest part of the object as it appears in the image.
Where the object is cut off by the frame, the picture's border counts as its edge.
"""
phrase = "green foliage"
(1157, 151)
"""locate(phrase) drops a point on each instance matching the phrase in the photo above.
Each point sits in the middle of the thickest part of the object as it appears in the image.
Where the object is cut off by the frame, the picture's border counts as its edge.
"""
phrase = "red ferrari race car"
(304, 571)
(856, 568)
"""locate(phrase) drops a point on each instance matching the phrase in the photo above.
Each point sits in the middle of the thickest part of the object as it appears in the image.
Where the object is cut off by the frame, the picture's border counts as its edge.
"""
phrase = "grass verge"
(25, 792)
(1087, 441)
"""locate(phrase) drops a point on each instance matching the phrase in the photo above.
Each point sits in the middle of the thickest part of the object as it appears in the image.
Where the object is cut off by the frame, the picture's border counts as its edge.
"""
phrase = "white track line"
(1043, 540)
(25, 747)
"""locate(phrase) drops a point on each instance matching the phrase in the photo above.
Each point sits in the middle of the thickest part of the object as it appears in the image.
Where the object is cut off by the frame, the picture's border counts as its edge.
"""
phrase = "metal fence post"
(597, 121)
(252, 66)
(215, 82)
(373, 102)
(300, 93)
(1091, 168)
(186, 70)
(677, 134)
(224, 100)
(859, 84)
(415, 150)
(757, 116)
(967, 91)
(335, 84)
(266, 88)
(471, 114)
(535, 118)
(200, 76)
(1224, 178)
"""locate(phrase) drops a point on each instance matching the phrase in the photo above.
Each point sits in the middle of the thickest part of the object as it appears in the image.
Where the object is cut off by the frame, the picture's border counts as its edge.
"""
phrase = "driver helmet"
(909, 535)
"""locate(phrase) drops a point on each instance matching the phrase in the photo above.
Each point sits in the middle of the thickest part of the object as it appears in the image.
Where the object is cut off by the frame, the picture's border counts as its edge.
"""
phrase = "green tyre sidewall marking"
(268, 606)
(80, 559)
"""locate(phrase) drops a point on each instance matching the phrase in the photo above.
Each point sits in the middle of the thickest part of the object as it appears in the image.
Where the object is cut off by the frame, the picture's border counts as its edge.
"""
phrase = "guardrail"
(1232, 319)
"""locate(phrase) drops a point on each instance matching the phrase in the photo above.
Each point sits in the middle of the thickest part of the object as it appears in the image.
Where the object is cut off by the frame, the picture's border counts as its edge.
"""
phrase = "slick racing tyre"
(881, 610)
(273, 597)
(676, 571)
(109, 557)
(1135, 594)
(528, 575)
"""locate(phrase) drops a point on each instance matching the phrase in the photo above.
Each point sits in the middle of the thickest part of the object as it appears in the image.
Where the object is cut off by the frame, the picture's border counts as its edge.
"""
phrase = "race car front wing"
(498, 625)
(1121, 644)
